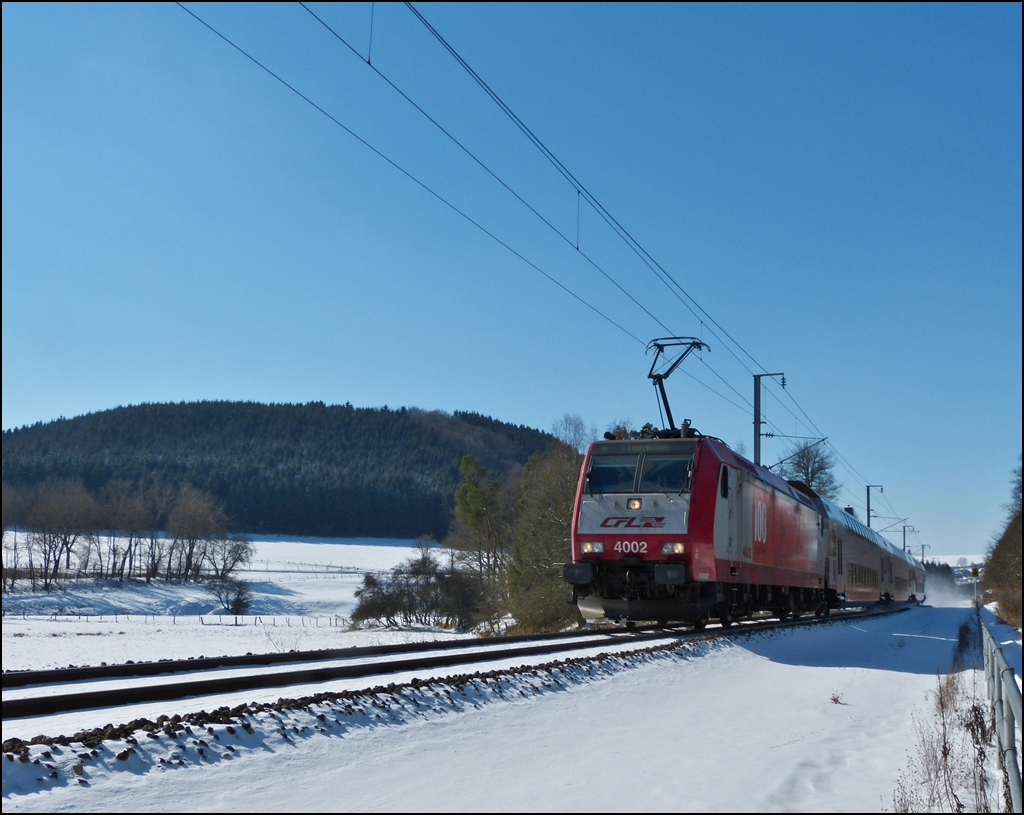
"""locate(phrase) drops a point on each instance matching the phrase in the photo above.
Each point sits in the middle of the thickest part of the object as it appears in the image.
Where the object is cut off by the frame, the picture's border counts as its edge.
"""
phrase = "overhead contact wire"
(605, 215)
(409, 175)
(522, 201)
(488, 170)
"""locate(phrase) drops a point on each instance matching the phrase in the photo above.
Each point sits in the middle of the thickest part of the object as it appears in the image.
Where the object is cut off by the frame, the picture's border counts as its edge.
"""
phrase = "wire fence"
(233, 620)
(299, 566)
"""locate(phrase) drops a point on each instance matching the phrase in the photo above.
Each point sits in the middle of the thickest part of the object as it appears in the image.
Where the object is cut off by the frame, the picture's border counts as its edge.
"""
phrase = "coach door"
(728, 516)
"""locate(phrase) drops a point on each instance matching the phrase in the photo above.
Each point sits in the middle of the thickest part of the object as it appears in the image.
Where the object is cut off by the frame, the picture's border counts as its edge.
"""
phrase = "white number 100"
(760, 522)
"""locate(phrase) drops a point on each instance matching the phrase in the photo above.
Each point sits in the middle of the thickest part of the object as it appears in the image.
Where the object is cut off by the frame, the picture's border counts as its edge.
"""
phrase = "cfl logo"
(760, 522)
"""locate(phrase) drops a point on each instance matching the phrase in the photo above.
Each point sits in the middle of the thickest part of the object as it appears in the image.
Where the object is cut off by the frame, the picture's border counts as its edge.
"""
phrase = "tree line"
(310, 469)
(505, 549)
(58, 530)
(1002, 575)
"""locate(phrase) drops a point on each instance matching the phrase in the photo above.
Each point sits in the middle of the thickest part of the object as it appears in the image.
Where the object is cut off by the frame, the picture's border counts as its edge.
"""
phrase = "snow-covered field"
(303, 594)
(810, 720)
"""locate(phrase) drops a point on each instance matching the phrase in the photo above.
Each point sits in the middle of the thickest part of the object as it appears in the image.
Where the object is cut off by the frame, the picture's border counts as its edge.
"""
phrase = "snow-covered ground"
(954, 560)
(808, 720)
(303, 594)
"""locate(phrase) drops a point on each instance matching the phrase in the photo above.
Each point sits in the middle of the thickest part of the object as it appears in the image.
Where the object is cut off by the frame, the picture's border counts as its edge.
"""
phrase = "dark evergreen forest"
(311, 469)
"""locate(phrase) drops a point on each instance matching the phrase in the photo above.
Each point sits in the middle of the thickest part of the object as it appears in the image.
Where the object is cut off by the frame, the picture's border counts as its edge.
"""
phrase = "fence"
(233, 620)
(1004, 695)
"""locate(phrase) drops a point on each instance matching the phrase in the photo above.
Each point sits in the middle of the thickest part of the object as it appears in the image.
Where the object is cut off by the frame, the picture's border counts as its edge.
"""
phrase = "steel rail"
(84, 700)
(18, 679)
(167, 691)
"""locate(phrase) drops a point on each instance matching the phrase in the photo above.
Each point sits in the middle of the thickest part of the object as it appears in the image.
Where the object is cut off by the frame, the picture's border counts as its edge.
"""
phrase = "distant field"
(288, 576)
(303, 596)
(954, 560)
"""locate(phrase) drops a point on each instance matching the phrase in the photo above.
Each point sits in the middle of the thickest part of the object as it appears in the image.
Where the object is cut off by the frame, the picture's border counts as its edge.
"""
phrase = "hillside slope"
(309, 469)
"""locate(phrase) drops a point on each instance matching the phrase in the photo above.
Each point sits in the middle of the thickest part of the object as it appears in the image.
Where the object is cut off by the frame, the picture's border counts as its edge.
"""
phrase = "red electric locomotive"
(678, 527)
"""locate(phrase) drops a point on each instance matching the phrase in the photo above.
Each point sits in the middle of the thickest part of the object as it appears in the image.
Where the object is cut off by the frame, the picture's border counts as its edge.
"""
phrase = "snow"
(954, 560)
(810, 720)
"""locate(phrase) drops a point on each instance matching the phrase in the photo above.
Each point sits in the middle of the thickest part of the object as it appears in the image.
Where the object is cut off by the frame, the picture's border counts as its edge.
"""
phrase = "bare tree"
(124, 508)
(573, 431)
(61, 514)
(812, 464)
(158, 501)
(234, 596)
(196, 520)
(13, 517)
(224, 555)
(622, 428)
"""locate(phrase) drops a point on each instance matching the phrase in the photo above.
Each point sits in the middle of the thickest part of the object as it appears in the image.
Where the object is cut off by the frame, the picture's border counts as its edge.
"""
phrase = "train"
(678, 527)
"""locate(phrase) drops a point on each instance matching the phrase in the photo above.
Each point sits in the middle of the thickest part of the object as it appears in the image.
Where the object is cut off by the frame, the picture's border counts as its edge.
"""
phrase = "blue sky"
(837, 187)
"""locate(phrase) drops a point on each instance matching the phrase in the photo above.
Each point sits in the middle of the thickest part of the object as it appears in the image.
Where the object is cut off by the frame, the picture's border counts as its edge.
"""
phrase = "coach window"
(666, 474)
(612, 474)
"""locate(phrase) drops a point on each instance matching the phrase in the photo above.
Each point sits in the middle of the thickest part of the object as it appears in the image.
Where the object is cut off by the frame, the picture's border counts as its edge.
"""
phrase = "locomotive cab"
(631, 525)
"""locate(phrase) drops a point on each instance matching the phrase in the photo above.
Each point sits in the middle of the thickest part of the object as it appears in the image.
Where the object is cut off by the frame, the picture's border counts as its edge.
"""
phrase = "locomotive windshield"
(666, 474)
(613, 473)
(645, 468)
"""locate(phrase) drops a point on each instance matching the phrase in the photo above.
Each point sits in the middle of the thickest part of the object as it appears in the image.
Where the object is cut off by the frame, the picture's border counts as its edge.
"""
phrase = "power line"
(579, 188)
(410, 176)
(487, 169)
(438, 196)
(617, 227)
(523, 201)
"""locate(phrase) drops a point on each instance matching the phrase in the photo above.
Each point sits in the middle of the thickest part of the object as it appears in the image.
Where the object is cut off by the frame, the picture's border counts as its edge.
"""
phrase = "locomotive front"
(632, 550)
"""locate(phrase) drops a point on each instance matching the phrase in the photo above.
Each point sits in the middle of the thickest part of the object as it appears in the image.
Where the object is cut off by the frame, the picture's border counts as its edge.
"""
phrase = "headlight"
(634, 503)
(592, 548)
(673, 549)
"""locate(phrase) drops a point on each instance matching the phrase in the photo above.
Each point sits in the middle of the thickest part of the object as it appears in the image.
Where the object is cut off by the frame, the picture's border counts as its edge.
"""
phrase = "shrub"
(420, 592)
(234, 596)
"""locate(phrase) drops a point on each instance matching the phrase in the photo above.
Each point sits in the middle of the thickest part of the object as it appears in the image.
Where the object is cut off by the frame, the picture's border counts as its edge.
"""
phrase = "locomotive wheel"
(700, 623)
(782, 614)
(726, 619)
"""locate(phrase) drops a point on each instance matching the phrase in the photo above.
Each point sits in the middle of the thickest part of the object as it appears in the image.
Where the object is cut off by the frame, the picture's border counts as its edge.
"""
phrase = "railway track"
(42, 693)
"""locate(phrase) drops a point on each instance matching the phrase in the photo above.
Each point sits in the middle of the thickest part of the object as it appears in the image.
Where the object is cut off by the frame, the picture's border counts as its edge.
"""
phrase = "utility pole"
(923, 547)
(877, 487)
(757, 413)
(905, 528)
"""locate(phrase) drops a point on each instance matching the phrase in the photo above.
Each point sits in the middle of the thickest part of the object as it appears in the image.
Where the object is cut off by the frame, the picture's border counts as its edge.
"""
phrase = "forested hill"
(306, 469)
